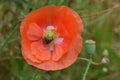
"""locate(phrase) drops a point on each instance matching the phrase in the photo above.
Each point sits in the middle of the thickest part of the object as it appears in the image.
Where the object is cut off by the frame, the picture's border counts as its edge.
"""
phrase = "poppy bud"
(105, 52)
(105, 60)
(105, 69)
(90, 46)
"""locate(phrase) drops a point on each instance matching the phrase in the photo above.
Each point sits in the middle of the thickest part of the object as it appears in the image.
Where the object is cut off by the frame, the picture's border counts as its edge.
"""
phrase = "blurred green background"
(101, 20)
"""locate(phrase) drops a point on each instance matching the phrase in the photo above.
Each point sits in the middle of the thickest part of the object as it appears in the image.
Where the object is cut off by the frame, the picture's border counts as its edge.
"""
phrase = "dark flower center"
(47, 40)
(48, 37)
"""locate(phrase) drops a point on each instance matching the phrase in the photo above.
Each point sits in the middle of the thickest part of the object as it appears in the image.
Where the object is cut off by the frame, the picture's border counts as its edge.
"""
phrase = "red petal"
(26, 51)
(29, 57)
(57, 53)
(69, 58)
(40, 51)
(34, 32)
(78, 20)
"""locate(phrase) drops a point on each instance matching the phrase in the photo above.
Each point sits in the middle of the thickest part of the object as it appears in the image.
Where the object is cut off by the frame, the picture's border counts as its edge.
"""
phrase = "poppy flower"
(51, 37)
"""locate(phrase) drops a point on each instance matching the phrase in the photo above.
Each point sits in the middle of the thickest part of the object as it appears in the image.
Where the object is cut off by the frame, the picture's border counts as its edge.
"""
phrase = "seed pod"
(90, 47)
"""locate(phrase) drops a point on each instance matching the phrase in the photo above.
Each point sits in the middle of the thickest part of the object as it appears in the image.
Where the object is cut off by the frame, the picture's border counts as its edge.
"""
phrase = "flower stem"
(87, 68)
(94, 63)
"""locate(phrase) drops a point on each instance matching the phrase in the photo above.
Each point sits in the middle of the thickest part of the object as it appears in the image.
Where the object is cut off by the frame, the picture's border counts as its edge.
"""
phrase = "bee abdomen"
(47, 40)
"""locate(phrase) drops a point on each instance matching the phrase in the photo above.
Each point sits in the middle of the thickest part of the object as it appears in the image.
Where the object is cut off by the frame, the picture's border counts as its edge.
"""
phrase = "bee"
(47, 40)
(48, 37)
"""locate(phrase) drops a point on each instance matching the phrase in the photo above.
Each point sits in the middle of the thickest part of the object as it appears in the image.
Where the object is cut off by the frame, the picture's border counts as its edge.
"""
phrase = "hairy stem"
(87, 68)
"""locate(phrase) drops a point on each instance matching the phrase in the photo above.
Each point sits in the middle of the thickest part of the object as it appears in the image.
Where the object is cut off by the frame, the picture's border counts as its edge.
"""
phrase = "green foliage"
(101, 22)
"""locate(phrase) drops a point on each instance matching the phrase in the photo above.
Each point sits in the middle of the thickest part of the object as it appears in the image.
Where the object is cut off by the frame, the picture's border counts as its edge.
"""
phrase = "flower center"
(49, 35)
(51, 38)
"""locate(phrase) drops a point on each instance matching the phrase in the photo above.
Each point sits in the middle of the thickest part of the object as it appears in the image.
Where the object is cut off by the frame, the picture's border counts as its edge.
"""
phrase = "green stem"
(87, 68)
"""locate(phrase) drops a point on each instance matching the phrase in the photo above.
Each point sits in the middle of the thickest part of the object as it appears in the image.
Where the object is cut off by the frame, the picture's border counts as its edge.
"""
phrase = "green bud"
(105, 69)
(90, 46)
(105, 52)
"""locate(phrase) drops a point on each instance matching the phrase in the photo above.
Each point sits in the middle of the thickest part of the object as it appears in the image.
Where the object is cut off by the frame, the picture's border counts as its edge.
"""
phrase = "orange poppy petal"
(66, 26)
(69, 58)
(57, 53)
(30, 58)
(72, 54)
(34, 32)
(79, 21)
(40, 51)
(26, 52)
